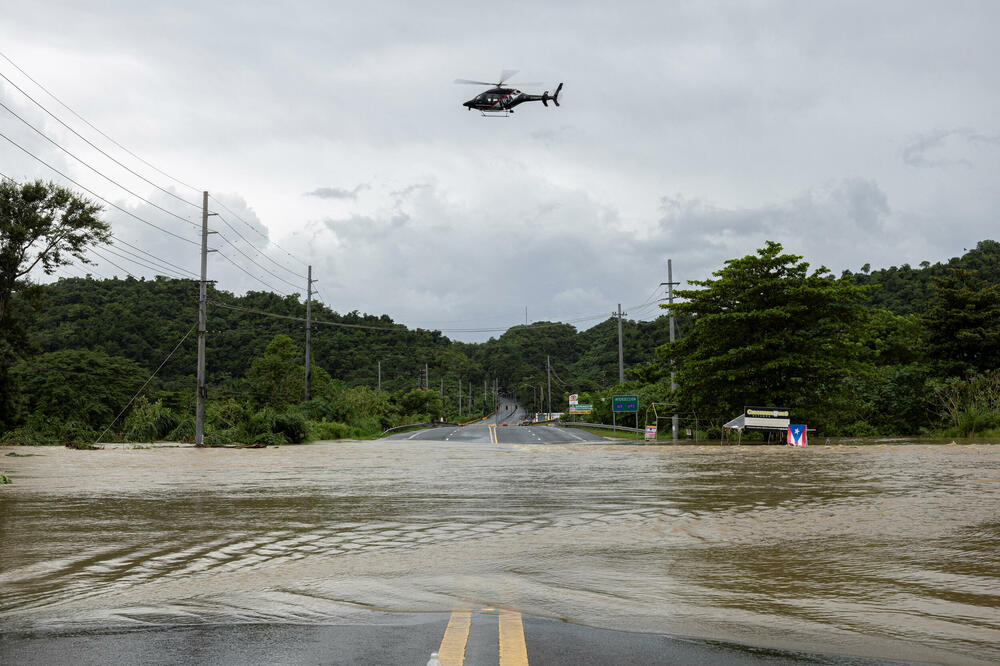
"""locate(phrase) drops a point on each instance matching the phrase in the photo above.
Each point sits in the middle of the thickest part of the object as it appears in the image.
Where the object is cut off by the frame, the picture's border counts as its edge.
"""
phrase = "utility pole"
(427, 378)
(380, 376)
(460, 398)
(309, 294)
(548, 372)
(486, 401)
(199, 410)
(670, 301)
(470, 397)
(525, 315)
(621, 355)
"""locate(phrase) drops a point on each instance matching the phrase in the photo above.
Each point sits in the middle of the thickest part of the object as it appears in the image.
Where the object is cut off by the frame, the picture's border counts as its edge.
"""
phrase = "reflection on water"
(889, 551)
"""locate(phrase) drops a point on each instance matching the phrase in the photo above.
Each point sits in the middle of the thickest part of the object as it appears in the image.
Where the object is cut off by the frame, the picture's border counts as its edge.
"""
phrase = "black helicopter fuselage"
(503, 100)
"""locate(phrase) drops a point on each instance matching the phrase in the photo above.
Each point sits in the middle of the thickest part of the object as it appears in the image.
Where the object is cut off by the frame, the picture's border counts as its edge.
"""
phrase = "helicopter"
(500, 100)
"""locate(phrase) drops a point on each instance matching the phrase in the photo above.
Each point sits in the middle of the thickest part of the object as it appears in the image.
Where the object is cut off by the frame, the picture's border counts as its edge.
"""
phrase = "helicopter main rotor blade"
(475, 83)
(506, 74)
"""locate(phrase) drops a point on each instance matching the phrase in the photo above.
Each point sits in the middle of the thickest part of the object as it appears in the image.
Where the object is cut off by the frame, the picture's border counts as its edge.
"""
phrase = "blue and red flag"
(796, 435)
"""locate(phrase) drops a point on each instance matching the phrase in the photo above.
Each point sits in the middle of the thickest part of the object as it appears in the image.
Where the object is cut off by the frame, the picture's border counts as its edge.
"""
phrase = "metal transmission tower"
(199, 410)
(669, 284)
(621, 354)
(309, 293)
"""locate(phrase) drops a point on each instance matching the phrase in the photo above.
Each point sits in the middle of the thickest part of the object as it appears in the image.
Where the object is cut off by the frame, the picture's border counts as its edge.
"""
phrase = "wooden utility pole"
(199, 409)
(309, 293)
(621, 354)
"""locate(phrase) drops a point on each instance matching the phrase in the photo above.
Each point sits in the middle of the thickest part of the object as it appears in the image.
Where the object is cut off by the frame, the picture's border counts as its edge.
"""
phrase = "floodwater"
(887, 551)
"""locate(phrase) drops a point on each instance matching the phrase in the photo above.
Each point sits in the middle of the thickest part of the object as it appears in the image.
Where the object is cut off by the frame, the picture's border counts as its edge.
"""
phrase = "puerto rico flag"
(796, 435)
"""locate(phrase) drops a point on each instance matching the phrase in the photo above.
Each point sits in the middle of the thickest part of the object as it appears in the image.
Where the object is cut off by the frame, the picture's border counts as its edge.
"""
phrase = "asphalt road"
(486, 636)
(502, 428)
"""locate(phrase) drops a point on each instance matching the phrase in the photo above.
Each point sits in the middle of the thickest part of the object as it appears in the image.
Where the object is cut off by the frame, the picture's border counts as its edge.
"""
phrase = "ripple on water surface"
(888, 551)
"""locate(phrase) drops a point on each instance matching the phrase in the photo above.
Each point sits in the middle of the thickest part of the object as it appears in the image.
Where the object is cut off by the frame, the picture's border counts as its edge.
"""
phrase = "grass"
(4, 479)
(14, 454)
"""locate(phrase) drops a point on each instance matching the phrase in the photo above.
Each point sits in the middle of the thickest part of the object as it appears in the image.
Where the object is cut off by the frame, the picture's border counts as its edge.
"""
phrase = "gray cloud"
(805, 123)
(337, 192)
(944, 148)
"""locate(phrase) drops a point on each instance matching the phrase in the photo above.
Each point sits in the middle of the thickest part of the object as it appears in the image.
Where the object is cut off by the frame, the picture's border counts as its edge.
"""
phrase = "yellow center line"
(513, 651)
(493, 433)
(452, 650)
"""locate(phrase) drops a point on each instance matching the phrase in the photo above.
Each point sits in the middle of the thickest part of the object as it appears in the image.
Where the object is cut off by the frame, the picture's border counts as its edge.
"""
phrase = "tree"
(43, 225)
(40, 225)
(963, 323)
(767, 331)
(277, 379)
(89, 387)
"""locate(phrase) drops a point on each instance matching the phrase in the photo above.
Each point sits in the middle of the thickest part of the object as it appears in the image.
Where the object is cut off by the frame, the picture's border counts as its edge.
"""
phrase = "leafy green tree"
(277, 378)
(41, 226)
(963, 323)
(766, 330)
(78, 385)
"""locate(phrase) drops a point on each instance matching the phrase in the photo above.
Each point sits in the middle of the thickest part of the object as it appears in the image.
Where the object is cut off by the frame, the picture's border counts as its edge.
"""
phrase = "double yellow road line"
(493, 433)
(513, 651)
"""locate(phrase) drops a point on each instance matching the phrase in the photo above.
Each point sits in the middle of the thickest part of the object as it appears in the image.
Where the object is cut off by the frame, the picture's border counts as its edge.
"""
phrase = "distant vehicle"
(500, 100)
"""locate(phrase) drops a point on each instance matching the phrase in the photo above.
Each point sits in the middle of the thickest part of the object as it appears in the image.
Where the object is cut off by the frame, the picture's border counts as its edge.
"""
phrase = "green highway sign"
(624, 403)
(581, 409)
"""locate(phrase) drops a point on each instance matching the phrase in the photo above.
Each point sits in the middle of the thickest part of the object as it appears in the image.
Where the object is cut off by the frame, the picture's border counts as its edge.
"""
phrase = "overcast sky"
(851, 132)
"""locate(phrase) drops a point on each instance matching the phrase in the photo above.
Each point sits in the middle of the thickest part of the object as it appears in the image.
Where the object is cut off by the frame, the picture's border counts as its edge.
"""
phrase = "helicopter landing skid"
(496, 114)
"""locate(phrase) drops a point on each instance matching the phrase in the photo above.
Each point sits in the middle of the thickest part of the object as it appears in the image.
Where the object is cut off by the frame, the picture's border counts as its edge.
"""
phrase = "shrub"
(292, 426)
(975, 419)
(28, 436)
(269, 439)
(4, 479)
(184, 432)
(320, 430)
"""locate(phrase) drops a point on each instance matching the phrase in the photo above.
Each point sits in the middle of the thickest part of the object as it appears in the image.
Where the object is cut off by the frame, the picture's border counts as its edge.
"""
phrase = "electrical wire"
(140, 262)
(154, 257)
(252, 228)
(92, 193)
(132, 399)
(94, 146)
(95, 170)
(113, 263)
(88, 123)
(281, 266)
(272, 288)
(250, 259)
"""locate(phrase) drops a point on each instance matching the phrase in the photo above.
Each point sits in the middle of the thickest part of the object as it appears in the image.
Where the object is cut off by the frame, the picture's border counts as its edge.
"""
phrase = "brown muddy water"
(889, 551)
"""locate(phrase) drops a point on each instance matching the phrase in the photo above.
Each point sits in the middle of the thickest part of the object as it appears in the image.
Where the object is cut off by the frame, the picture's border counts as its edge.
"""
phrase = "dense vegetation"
(895, 351)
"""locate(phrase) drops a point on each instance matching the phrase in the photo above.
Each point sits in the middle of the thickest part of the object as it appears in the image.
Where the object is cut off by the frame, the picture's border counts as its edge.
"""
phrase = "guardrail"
(580, 424)
(432, 424)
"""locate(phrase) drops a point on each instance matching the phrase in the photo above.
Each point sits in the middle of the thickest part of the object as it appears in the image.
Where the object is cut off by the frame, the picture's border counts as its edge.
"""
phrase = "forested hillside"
(880, 361)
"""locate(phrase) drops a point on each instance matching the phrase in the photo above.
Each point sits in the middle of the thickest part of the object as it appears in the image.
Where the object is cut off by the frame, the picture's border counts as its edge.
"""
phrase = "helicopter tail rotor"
(555, 98)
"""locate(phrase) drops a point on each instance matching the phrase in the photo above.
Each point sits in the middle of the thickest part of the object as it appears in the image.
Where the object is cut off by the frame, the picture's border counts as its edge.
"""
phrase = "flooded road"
(883, 551)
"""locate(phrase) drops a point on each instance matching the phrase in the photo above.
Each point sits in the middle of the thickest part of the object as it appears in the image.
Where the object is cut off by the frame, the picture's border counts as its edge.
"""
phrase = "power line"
(92, 193)
(154, 257)
(176, 347)
(89, 124)
(94, 146)
(272, 288)
(113, 263)
(281, 266)
(139, 262)
(398, 327)
(250, 259)
(254, 229)
(99, 173)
